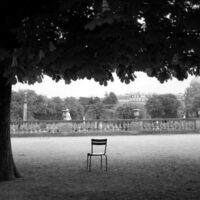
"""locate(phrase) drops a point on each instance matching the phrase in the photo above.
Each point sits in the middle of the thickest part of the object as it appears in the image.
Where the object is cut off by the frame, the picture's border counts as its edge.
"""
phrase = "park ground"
(153, 167)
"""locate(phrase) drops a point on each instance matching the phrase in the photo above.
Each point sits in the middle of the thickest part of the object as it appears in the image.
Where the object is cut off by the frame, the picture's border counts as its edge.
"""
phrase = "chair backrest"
(98, 142)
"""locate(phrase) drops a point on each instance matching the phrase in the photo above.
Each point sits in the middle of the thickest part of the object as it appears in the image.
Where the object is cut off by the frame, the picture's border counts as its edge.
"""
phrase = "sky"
(88, 88)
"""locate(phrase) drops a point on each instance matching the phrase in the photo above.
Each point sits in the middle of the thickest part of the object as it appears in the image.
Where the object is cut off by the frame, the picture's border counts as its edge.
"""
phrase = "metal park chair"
(98, 148)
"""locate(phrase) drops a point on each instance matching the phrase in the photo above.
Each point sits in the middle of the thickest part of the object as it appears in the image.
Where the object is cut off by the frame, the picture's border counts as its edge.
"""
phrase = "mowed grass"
(139, 167)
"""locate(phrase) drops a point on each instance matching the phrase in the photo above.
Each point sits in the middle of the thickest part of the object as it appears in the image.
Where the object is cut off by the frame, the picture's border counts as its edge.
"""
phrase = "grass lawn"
(139, 168)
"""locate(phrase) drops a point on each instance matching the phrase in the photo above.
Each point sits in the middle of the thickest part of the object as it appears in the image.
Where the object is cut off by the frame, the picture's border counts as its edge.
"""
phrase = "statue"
(66, 114)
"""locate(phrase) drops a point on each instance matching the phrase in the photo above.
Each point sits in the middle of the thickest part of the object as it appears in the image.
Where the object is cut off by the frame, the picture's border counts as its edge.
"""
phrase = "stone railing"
(171, 125)
(127, 126)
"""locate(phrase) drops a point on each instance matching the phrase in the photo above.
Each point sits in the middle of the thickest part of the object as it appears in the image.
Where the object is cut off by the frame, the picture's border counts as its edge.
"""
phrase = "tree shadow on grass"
(170, 178)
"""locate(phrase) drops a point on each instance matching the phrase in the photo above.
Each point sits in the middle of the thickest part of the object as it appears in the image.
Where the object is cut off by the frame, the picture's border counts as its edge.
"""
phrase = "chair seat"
(96, 154)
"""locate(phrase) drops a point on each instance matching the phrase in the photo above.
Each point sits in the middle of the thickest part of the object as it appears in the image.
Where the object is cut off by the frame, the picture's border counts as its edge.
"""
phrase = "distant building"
(135, 98)
(141, 98)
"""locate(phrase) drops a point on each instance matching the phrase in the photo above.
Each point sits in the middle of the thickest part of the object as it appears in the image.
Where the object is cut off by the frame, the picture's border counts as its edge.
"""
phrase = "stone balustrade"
(171, 125)
(128, 126)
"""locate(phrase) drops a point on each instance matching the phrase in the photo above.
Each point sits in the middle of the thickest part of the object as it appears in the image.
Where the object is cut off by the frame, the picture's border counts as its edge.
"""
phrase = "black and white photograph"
(100, 100)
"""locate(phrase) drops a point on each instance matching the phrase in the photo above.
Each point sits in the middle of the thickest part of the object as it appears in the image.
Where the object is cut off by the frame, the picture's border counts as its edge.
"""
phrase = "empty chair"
(98, 148)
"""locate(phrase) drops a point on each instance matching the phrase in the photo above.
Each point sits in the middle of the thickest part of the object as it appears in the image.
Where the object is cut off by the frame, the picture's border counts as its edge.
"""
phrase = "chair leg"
(90, 163)
(101, 161)
(87, 162)
(106, 163)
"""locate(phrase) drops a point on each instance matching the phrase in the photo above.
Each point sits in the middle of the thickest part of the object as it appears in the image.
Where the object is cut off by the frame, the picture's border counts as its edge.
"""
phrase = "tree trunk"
(8, 169)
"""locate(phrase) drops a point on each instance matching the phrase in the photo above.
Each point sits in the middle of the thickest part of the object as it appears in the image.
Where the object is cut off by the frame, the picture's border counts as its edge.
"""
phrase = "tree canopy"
(93, 38)
(110, 99)
(192, 99)
(128, 111)
(163, 106)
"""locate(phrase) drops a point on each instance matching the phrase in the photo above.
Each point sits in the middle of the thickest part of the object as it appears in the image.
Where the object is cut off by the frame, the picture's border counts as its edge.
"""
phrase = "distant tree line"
(157, 106)
(168, 106)
(192, 100)
(163, 106)
(42, 108)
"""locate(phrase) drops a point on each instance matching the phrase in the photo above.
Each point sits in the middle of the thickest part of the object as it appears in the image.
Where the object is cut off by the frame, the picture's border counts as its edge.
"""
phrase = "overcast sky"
(86, 88)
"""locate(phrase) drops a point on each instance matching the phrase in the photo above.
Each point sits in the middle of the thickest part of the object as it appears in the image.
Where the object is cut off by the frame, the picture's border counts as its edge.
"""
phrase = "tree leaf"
(52, 47)
(14, 61)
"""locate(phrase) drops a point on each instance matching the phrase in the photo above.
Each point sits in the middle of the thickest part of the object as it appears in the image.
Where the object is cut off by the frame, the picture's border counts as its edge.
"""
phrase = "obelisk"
(25, 106)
